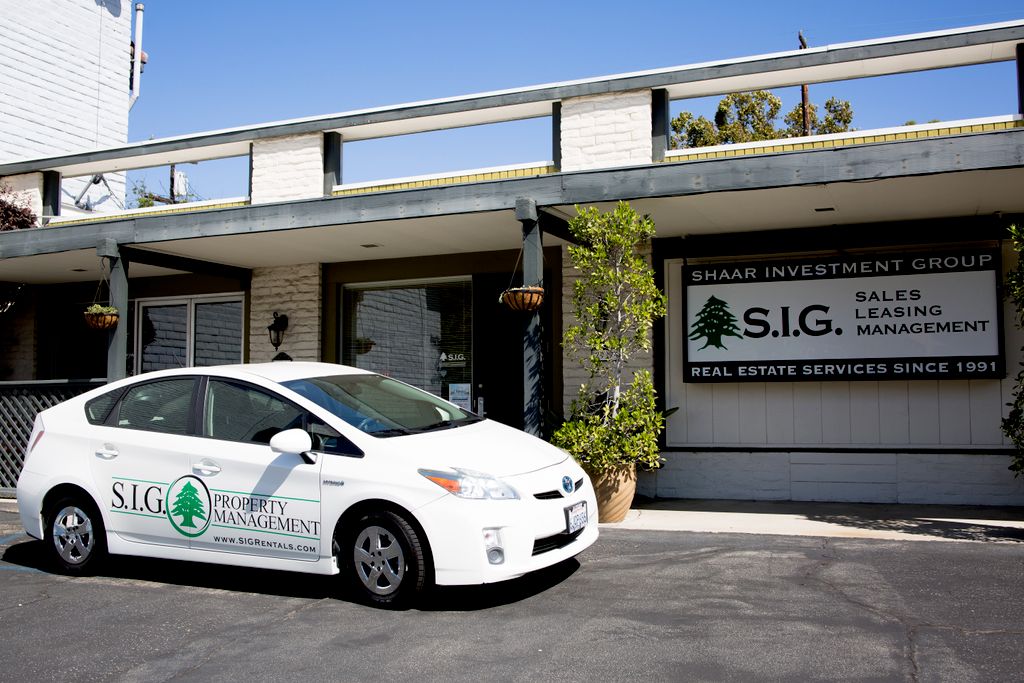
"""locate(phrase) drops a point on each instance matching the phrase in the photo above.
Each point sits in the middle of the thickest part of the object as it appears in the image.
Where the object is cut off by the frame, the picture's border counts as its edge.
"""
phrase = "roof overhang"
(965, 175)
(900, 54)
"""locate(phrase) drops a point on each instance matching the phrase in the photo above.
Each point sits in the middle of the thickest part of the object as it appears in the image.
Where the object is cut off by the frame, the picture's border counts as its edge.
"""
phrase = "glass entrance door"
(419, 333)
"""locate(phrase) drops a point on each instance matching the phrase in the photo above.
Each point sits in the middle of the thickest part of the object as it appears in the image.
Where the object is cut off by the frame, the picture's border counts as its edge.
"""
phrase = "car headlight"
(470, 484)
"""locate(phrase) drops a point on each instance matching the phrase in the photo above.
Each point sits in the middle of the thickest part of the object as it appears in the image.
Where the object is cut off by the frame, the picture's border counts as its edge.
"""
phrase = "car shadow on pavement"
(32, 555)
(472, 598)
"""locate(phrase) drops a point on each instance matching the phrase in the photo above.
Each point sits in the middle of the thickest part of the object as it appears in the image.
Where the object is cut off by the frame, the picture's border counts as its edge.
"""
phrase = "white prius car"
(307, 467)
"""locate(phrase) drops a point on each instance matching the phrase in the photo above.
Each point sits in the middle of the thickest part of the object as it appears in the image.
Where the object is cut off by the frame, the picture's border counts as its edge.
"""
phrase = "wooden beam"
(189, 265)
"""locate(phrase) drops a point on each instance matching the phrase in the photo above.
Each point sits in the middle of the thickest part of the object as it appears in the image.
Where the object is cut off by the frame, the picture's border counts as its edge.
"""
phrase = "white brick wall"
(294, 291)
(948, 478)
(64, 67)
(601, 131)
(27, 190)
(288, 168)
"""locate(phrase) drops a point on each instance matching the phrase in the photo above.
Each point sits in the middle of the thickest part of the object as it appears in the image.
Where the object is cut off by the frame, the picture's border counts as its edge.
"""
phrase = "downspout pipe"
(137, 56)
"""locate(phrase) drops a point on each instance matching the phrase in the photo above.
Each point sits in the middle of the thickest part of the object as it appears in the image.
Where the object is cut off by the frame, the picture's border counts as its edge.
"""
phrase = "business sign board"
(882, 316)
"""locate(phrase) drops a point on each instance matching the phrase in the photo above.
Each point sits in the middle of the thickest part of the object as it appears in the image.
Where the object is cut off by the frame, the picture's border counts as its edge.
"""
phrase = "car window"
(241, 412)
(237, 412)
(97, 410)
(381, 406)
(162, 406)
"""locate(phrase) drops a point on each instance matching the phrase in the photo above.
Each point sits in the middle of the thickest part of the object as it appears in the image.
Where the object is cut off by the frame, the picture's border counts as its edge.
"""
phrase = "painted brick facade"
(288, 168)
(294, 291)
(949, 478)
(602, 131)
(64, 73)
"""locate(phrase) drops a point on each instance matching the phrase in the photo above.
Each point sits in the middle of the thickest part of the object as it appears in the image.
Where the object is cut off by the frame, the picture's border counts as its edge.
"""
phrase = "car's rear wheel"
(75, 538)
(385, 562)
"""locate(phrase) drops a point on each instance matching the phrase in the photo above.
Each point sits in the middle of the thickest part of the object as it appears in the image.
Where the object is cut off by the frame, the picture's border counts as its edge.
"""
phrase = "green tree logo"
(190, 501)
(714, 321)
(188, 505)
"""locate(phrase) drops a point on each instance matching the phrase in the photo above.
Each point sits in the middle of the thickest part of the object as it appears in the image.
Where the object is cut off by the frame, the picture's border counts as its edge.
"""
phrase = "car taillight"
(35, 441)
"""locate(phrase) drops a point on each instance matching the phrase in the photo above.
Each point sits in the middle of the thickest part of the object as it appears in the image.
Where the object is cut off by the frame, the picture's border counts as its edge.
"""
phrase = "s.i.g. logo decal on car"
(188, 506)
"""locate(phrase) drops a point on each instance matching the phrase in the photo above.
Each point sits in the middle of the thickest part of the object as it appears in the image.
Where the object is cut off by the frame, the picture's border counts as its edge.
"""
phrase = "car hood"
(485, 446)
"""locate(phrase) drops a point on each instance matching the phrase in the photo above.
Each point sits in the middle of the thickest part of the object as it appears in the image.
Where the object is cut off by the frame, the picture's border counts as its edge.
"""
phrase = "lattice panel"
(18, 408)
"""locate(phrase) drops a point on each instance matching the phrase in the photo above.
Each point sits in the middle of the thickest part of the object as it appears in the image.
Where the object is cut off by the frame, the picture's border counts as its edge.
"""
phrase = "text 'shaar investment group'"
(872, 317)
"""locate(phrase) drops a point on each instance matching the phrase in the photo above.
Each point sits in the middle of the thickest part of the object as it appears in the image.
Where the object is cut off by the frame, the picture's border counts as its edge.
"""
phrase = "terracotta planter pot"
(615, 490)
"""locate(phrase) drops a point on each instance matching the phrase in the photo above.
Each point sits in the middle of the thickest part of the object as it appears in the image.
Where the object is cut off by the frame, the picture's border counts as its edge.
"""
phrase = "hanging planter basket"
(361, 345)
(99, 316)
(523, 298)
(101, 321)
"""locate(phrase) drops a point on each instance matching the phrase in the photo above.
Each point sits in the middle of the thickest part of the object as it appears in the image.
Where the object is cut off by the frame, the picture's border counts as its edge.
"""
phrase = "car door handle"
(206, 467)
(108, 452)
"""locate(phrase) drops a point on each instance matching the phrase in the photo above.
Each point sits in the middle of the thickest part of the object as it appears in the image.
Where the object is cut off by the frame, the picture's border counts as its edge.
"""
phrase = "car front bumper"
(531, 533)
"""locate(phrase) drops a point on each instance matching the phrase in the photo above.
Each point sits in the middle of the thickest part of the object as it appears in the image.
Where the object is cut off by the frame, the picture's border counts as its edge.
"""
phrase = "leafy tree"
(15, 214)
(751, 116)
(838, 119)
(715, 321)
(1013, 423)
(141, 194)
(188, 505)
(614, 422)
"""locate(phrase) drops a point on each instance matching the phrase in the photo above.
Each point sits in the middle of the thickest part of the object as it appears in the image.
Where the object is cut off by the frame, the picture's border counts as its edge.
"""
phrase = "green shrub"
(1013, 423)
(600, 441)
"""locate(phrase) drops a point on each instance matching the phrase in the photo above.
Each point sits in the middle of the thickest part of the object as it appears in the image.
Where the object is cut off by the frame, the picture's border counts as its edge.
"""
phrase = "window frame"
(190, 421)
(190, 303)
(351, 450)
(406, 283)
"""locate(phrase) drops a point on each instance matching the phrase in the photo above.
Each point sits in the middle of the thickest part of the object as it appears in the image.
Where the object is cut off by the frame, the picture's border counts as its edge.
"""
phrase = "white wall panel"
(954, 412)
(864, 413)
(894, 413)
(807, 412)
(698, 411)
(923, 409)
(835, 413)
(726, 413)
(779, 409)
(753, 413)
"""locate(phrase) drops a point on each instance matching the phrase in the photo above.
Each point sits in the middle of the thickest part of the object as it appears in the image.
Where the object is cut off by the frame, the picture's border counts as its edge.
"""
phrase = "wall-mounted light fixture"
(277, 328)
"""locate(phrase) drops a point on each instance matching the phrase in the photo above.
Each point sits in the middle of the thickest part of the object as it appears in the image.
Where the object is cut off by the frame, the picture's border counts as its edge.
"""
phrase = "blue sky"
(223, 64)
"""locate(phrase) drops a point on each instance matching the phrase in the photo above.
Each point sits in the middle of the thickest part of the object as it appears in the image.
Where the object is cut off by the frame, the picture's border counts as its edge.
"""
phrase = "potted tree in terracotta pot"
(614, 422)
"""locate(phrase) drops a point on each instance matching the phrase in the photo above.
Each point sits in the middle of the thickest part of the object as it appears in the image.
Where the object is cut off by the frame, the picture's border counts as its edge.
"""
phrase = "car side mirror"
(294, 441)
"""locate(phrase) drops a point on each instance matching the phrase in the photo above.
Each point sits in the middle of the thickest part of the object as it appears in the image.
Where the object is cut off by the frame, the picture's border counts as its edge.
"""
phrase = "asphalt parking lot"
(657, 605)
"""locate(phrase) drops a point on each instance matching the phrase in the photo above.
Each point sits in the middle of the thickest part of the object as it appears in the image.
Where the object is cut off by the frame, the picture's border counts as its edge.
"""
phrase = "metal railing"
(20, 402)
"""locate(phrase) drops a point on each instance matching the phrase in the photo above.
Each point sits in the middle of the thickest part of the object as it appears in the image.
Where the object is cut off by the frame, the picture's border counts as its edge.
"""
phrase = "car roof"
(277, 371)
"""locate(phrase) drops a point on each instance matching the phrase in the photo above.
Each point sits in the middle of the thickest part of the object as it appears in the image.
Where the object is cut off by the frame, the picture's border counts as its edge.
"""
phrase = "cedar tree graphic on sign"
(715, 321)
(188, 505)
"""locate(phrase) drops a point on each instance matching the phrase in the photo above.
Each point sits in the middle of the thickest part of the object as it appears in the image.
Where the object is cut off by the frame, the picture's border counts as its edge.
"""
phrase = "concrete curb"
(832, 520)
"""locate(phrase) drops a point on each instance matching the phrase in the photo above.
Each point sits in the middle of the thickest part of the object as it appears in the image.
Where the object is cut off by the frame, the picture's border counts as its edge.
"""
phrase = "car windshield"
(381, 406)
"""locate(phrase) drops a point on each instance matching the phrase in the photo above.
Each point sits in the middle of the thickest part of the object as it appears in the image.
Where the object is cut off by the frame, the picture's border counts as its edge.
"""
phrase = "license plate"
(576, 517)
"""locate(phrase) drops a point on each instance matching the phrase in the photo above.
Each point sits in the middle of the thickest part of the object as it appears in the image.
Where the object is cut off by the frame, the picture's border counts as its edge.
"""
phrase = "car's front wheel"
(385, 560)
(74, 535)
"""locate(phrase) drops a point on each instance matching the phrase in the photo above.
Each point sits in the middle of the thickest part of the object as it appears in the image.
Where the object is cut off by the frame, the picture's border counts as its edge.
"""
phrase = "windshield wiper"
(443, 424)
(448, 424)
(395, 431)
